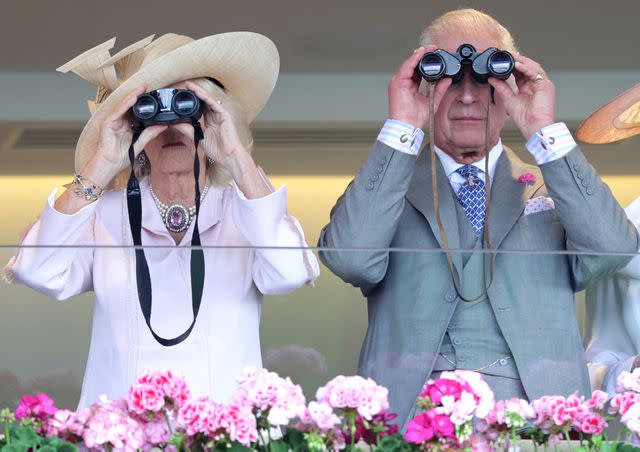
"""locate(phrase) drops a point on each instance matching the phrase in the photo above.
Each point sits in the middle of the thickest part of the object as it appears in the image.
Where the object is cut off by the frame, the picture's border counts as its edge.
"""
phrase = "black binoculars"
(166, 106)
(490, 63)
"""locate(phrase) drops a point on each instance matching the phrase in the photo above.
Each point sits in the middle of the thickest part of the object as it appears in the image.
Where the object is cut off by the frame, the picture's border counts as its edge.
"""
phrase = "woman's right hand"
(406, 102)
(116, 133)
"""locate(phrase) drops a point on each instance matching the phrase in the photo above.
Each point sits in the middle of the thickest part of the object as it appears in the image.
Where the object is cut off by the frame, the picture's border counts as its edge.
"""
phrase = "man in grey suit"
(520, 330)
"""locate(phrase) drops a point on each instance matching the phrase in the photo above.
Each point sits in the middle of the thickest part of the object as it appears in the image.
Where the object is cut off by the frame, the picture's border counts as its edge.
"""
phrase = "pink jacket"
(226, 335)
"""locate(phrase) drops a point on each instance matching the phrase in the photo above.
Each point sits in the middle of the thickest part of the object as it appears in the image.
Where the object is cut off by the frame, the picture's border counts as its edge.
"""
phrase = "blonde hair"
(469, 20)
(217, 175)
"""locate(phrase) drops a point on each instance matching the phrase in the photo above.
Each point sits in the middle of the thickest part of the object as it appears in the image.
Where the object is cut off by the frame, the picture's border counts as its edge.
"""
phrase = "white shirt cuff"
(551, 143)
(401, 136)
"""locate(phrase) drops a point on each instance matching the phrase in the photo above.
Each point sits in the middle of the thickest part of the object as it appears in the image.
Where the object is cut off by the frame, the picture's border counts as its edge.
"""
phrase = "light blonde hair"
(217, 175)
(469, 20)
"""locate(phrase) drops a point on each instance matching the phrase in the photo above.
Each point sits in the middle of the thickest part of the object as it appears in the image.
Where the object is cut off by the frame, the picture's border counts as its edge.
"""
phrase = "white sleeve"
(610, 338)
(264, 222)
(55, 257)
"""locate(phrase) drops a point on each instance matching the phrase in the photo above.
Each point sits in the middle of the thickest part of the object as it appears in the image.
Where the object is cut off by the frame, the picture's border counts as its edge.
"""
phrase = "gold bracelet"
(85, 188)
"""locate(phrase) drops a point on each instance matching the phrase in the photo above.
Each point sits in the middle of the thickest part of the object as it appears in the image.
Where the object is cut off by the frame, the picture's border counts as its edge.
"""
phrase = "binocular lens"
(501, 63)
(185, 103)
(145, 107)
(431, 66)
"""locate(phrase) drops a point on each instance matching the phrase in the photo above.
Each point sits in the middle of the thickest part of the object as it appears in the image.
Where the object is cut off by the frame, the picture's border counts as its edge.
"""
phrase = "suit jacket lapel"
(508, 196)
(420, 195)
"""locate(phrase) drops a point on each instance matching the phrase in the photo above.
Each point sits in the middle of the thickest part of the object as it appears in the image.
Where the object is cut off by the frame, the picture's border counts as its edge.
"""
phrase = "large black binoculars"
(166, 106)
(491, 63)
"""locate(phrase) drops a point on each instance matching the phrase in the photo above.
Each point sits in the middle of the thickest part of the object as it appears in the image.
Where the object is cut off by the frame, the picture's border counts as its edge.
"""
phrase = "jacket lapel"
(508, 196)
(420, 195)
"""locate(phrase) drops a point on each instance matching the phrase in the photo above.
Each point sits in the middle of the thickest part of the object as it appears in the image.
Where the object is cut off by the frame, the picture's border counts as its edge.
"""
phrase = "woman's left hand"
(221, 141)
(534, 105)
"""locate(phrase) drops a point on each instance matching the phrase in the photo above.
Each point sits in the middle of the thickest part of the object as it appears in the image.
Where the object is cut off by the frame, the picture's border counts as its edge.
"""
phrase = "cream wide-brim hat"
(614, 121)
(245, 63)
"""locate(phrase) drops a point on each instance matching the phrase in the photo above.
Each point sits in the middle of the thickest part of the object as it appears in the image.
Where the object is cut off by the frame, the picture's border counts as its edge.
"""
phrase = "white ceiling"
(320, 36)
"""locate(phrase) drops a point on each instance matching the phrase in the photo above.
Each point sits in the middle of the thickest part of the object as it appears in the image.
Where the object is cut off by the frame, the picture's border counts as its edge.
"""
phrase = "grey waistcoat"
(473, 339)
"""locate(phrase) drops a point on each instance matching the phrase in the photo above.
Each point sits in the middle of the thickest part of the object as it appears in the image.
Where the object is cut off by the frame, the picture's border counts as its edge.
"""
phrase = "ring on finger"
(538, 78)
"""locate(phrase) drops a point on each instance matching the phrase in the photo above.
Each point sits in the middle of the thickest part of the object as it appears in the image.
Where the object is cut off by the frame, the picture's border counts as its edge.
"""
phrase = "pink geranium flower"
(598, 400)
(629, 381)
(40, 407)
(276, 398)
(557, 415)
(420, 429)
(355, 392)
(145, 397)
(319, 415)
(527, 178)
(440, 388)
(157, 390)
(593, 424)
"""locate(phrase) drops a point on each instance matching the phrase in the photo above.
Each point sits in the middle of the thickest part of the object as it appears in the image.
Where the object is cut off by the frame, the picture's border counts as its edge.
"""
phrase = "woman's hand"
(221, 141)
(115, 138)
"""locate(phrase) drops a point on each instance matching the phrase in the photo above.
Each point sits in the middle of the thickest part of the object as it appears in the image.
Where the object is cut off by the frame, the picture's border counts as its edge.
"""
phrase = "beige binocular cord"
(436, 203)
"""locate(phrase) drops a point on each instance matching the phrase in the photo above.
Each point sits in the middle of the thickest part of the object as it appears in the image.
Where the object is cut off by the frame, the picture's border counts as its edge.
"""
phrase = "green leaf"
(295, 439)
(237, 447)
(67, 447)
(47, 448)
(395, 443)
(58, 445)
(351, 448)
(25, 434)
(313, 442)
(278, 446)
(15, 447)
(607, 447)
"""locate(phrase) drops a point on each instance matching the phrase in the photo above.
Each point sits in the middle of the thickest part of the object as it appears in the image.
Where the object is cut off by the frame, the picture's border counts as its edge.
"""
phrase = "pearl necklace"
(176, 217)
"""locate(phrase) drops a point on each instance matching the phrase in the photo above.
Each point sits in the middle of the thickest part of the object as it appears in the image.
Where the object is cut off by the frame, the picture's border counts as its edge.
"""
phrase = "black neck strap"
(134, 206)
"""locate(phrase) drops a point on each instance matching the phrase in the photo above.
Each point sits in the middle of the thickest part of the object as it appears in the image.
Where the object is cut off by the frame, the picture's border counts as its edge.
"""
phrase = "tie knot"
(468, 170)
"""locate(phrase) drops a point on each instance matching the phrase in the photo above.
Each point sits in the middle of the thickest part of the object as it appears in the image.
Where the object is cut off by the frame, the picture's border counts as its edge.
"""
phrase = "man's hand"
(406, 103)
(534, 105)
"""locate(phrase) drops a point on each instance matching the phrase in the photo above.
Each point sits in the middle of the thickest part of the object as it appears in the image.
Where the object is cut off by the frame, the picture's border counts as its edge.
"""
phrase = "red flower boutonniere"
(527, 178)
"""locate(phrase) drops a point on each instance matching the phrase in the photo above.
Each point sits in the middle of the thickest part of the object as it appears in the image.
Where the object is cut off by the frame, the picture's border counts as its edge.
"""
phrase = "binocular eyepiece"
(166, 106)
(491, 63)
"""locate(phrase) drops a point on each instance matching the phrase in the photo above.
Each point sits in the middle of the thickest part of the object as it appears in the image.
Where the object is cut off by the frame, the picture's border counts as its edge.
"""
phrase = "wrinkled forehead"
(454, 39)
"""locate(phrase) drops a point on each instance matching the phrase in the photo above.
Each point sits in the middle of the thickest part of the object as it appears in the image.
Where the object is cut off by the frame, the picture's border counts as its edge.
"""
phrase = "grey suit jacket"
(410, 295)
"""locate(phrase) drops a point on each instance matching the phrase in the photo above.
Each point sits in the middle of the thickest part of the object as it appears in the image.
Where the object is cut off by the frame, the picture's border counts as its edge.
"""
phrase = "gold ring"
(538, 78)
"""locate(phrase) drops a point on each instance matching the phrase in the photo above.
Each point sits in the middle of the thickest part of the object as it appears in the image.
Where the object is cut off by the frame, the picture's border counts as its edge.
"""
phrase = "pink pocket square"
(539, 204)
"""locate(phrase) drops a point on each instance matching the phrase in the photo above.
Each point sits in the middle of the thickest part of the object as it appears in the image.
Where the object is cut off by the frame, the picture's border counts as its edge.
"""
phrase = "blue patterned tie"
(472, 196)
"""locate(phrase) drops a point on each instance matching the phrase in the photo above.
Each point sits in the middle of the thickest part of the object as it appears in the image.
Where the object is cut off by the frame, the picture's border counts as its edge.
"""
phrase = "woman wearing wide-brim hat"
(161, 303)
(612, 330)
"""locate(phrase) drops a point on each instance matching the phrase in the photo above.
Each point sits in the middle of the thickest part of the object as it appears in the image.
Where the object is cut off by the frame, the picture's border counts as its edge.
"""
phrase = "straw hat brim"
(246, 63)
(616, 120)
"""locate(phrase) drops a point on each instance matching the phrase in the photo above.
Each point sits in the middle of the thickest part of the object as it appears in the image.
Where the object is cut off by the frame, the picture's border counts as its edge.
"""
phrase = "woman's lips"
(173, 144)
(468, 118)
